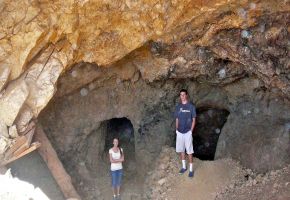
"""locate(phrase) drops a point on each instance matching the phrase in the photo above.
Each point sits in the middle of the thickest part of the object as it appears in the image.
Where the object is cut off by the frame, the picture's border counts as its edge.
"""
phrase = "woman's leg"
(114, 182)
(114, 191)
(118, 190)
(120, 174)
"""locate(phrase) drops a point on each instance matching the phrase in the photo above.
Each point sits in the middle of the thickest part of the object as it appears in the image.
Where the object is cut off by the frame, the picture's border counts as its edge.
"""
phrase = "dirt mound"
(269, 186)
(210, 177)
(223, 179)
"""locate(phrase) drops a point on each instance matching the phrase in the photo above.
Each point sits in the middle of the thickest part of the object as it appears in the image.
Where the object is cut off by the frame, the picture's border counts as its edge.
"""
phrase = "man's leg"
(190, 162)
(182, 158)
(189, 150)
(180, 148)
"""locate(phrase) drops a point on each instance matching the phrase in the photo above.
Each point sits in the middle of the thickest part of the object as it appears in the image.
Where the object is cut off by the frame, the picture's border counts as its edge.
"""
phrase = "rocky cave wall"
(231, 55)
(70, 119)
(80, 113)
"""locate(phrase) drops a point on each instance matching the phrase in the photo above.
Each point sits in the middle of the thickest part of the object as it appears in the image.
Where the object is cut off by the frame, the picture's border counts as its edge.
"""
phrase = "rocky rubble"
(160, 179)
(271, 185)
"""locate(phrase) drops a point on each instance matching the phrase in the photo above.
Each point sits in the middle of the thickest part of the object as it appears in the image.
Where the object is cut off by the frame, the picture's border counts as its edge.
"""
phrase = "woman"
(116, 159)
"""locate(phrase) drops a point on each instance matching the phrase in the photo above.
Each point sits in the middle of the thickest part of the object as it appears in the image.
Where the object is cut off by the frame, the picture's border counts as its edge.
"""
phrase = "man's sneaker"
(191, 174)
(182, 171)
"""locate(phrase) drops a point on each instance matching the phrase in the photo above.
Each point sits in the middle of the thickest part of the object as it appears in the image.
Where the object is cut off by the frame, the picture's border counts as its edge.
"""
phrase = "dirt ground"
(96, 184)
(223, 179)
(209, 178)
(130, 190)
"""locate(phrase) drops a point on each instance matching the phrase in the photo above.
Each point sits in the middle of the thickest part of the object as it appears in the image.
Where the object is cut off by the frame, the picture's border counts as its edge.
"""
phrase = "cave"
(75, 74)
(209, 124)
(87, 161)
(94, 172)
(122, 129)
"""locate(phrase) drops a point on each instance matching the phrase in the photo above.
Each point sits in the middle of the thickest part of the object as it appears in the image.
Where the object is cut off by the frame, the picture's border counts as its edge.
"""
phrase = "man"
(185, 114)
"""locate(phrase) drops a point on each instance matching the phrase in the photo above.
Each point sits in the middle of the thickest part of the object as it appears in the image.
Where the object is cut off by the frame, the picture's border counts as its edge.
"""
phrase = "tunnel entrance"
(92, 169)
(121, 128)
(209, 124)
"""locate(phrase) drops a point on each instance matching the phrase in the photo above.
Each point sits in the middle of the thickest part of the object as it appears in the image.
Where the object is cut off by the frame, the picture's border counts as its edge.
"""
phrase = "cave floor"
(131, 188)
(98, 185)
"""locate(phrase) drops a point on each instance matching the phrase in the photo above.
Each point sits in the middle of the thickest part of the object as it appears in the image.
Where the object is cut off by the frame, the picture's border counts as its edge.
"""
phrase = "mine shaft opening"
(122, 129)
(209, 124)
(94, 170)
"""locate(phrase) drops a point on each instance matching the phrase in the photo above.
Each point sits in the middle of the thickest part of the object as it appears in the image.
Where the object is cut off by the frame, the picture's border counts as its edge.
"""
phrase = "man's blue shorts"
(116, 177)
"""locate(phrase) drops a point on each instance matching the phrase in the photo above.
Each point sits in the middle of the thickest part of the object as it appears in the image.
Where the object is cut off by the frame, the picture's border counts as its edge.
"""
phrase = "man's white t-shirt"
(116, 166)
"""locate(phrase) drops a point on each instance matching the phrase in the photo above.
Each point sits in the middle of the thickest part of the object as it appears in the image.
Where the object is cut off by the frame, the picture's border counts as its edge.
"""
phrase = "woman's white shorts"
(184, 142)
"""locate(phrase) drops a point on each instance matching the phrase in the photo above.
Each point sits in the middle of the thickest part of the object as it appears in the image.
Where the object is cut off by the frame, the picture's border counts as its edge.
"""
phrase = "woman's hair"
(119, 146)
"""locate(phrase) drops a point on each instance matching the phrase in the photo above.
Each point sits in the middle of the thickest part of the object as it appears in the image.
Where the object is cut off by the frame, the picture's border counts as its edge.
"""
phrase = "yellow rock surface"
(102, 31)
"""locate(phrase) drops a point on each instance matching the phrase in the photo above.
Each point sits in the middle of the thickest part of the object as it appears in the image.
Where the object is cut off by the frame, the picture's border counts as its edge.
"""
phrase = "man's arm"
(176, 117)
(193, 115)
(193, 124)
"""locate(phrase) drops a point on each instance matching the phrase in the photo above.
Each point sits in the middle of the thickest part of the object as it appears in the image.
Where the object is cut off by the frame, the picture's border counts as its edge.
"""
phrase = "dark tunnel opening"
(209, 123)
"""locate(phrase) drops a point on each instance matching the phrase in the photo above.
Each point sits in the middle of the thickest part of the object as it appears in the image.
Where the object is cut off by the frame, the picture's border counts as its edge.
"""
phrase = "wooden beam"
(30, 127)
(21, 144)
(54, 165)
(20, 141)
(33, 147)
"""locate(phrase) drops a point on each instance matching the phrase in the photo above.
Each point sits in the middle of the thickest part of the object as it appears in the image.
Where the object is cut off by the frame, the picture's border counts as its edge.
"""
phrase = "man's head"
(183, 95)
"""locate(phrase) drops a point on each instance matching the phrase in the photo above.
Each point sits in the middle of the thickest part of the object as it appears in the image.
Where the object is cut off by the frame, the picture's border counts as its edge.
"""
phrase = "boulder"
(23, 118)
(41, 79)
(13, 131)
(12, 101)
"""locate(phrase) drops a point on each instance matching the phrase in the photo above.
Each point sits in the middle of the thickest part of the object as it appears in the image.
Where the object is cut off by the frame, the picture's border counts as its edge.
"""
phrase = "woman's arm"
(121, 159)
(112, 160)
